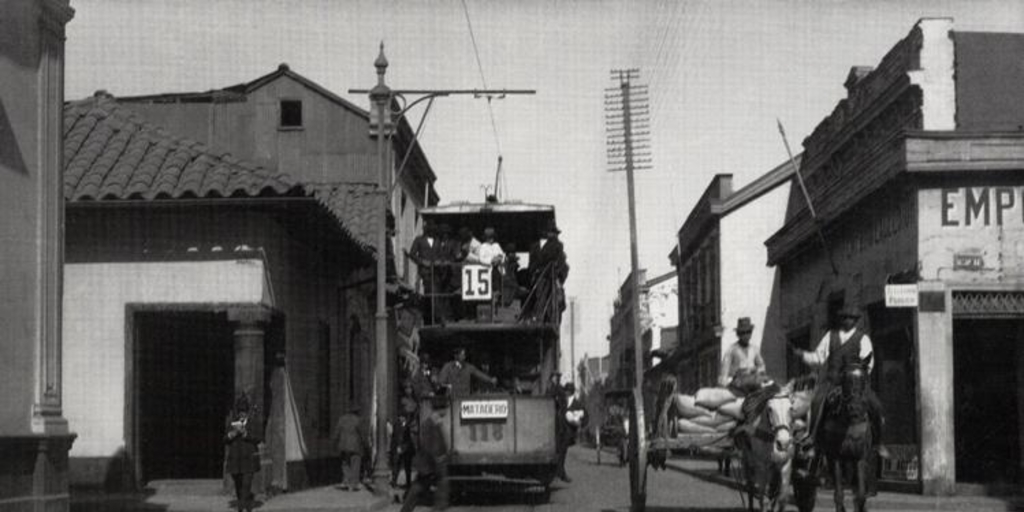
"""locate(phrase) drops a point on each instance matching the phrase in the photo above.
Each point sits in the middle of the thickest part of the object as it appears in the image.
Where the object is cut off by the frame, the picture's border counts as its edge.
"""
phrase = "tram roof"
(519, 223)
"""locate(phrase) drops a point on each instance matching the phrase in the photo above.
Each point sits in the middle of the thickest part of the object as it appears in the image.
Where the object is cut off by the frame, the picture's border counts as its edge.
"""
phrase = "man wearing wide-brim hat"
(839, 348)
(742, 361)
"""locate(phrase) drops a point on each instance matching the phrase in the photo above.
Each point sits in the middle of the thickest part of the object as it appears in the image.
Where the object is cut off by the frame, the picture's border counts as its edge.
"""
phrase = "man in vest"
(838, 348)
(742, 365)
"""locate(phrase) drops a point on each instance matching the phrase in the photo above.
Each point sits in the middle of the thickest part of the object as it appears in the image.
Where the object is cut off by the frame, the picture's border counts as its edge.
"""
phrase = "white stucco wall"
(95, 296)
(747, 280)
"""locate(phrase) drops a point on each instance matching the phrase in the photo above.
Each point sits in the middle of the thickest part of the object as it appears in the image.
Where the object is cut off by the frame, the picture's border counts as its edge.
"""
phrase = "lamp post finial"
(382, 62)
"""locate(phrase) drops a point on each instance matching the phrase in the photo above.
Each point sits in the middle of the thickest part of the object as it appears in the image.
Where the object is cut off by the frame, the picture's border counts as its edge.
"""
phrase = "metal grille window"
(988, 304)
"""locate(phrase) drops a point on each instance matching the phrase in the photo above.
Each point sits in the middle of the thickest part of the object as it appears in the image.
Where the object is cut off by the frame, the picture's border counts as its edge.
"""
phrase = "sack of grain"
(686, 426)
(712, 420)
(732, 409)
(725, 427)
(686, 406)
(713, 398)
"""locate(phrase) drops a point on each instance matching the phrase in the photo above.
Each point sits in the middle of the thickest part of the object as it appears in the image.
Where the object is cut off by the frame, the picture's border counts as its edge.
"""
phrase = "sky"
(719, 74)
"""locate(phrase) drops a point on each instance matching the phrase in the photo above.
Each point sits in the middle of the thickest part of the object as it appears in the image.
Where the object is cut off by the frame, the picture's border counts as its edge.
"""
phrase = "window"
(291, 114)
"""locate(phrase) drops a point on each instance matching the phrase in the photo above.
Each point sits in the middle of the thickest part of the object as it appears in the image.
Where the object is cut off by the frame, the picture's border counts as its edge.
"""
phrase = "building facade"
(621, 349)
(720, 260)
(191, 277)
(34, 434)
(288, 123)
(916, 178)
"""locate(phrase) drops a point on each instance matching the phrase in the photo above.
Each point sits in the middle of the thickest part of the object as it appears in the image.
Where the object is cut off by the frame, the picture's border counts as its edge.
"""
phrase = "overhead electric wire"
(483, 80)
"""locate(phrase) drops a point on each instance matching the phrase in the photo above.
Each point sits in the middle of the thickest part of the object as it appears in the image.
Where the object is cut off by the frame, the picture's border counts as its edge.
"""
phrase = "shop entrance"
(183, 383)
(987, 400)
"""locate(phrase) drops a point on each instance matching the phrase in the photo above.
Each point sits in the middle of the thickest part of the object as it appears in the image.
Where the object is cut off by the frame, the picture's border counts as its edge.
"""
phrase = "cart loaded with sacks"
(759, 452)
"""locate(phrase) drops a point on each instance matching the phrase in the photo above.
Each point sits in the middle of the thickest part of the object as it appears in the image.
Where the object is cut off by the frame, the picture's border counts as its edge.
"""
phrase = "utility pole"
(628, 121)
(384, 118)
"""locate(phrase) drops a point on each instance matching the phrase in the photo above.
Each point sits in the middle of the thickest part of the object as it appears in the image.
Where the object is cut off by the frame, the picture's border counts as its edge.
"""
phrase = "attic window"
(291, 114)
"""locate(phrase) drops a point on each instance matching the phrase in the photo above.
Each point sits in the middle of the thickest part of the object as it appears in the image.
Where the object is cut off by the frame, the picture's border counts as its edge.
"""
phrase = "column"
(934, 346)
(250, 331)
(46, 409)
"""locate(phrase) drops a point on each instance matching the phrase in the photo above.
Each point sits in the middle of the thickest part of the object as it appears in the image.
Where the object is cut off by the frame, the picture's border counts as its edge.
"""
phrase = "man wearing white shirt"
(838, 349)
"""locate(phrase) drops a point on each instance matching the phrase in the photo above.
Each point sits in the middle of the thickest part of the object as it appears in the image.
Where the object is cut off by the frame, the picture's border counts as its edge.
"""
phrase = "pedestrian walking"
(351, 441)
(242, 455)
(403, 437)
(431, 460)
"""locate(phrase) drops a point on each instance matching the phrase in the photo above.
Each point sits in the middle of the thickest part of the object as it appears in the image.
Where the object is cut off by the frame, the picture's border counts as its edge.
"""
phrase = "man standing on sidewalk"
(351, 440)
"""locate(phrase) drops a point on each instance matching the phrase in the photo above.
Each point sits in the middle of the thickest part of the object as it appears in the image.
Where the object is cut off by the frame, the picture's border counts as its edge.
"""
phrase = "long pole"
(572, 338)
(807, 198)
(380, 406)
(634, 256)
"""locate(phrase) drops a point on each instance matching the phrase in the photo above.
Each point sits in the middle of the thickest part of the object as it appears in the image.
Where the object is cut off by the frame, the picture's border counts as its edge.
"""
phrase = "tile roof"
(355, 205)
(111, 154)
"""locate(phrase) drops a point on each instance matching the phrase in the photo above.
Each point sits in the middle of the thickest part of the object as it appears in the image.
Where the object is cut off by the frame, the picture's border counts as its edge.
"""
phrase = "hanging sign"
(476, 282)
(901, 295)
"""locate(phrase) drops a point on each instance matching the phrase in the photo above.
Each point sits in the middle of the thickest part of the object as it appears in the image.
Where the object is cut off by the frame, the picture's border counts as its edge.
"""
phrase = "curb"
(824, 498)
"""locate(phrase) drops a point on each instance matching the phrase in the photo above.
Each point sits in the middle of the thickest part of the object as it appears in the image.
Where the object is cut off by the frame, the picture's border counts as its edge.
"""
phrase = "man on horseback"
(836, 350)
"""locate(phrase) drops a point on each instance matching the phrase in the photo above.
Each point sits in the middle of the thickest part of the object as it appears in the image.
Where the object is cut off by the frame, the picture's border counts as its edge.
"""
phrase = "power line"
(480, 68)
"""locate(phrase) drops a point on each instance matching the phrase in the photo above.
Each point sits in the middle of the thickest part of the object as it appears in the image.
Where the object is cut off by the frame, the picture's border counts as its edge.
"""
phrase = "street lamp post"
(380, 98)
(383, 123)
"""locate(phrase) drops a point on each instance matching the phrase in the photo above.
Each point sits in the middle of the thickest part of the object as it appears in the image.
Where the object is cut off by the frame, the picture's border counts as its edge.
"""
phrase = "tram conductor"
(457, 374)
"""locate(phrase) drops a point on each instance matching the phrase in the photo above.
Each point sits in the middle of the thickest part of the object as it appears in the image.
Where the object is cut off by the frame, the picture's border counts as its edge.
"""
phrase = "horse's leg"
(837, 477)
(785, 483)
(861, 500)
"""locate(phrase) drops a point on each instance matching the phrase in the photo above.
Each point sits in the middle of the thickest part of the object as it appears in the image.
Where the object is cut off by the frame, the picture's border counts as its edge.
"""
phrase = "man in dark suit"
(431, 254)
(563, 431)
(242, 438)
(547, 263)
(457, 374)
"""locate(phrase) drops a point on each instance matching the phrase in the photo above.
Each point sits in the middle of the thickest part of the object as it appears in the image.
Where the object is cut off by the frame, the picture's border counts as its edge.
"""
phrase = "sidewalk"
(708, 471)
(207, 496)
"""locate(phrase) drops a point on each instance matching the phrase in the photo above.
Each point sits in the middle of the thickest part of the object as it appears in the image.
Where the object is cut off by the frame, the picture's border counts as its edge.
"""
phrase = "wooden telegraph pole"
(628, 120)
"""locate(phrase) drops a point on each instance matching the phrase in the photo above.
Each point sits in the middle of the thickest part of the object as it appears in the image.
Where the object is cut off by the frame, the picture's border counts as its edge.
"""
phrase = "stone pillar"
(934, 346)
(250, 331)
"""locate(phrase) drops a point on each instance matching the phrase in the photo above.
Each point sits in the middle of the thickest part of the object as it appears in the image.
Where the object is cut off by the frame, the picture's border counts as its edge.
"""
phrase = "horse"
(766, 452)
(845, 436)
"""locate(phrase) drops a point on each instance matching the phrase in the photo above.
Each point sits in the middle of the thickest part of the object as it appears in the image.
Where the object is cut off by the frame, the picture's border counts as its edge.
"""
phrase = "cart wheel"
(637, 453)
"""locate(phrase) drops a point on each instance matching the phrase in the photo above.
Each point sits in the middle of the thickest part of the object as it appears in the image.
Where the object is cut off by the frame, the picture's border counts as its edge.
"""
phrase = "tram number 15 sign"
(476, 282)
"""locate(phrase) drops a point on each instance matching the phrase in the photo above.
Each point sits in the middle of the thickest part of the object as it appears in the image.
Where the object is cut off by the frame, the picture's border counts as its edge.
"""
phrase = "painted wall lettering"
(980, 206)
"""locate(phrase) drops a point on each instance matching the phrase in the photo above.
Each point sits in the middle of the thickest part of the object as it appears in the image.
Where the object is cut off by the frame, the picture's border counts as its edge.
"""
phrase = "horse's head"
(780, 419)
(855, 377)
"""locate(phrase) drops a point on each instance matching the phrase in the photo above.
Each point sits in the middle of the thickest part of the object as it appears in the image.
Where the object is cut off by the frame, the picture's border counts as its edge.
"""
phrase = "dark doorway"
(985, 398)
(184, 384)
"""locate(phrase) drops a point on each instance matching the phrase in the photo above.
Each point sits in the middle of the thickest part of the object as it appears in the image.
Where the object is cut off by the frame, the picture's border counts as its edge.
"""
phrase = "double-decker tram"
(491, 328)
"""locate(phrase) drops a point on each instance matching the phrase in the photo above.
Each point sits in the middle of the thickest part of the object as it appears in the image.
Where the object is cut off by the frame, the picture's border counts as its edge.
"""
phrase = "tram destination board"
(484, 409)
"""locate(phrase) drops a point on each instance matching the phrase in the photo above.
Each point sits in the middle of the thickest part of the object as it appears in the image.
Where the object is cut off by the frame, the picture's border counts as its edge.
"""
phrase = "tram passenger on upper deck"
(429, 254)
(489, 251)
(547, 262)
(468, 245)
(457, 374)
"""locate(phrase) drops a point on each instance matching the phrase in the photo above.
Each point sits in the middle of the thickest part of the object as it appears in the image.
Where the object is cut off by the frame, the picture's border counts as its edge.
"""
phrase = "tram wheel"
(637, 454)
